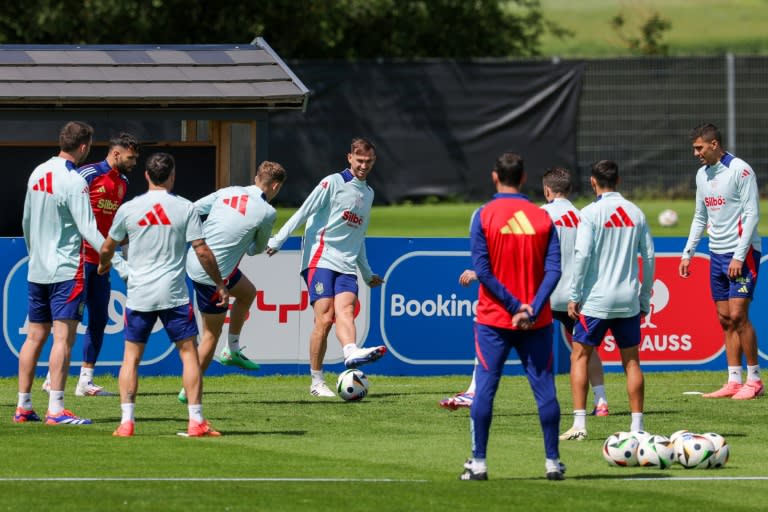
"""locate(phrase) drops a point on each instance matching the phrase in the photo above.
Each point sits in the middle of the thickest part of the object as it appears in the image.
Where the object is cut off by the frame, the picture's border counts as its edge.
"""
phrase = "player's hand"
(270, 251)
(522, 319)
(467, 277)
(104, 268)
(683, 268)
(573, 310)
(734, 268)
(375, 281)
(223, 293)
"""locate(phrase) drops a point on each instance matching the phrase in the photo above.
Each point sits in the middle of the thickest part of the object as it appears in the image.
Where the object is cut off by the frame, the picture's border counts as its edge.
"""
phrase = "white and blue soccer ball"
(620, 449)
(668, 218)
(722, 450)
(656, 451)
(694, 451)
(352, 385)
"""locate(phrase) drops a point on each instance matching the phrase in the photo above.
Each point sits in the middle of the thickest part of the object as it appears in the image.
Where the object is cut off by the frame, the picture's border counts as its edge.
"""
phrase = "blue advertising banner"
(421, 314)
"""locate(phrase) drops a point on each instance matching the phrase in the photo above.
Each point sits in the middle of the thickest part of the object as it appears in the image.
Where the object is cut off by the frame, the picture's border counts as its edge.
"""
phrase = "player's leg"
(97, 295)
(626, 332)
(138, 327)
(212, 325)
(463, 399)
(492, 351)
(597, 382)
(535, 351)
(37, 334)
(720, 285)
(345, 302)
(753, 387)
(243, 292)
(318, 344)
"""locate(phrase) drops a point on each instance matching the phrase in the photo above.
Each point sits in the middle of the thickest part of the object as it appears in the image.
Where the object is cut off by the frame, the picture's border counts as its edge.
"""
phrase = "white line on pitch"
(662, 478)
(217, 479)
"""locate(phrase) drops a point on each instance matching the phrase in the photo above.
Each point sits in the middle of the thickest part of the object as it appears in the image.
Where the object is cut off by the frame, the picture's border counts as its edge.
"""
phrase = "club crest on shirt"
(319, 288)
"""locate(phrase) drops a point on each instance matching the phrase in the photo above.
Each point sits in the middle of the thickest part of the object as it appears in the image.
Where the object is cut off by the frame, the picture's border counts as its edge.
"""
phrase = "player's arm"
(204, 204)
(106, 252)
(371, 279)
(26, 220)
(749, 200)
(552, 273)
(582, 251)
(482, 263)
(698, 225)
(316, 200)
(211, 267)
(647, 253)
(261, 236)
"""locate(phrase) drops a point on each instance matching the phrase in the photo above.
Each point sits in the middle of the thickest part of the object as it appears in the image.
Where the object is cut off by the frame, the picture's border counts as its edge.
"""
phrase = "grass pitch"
(396, 450)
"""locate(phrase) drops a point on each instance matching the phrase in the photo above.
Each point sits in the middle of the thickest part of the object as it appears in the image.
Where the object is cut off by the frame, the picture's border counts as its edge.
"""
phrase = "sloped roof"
(128, 77)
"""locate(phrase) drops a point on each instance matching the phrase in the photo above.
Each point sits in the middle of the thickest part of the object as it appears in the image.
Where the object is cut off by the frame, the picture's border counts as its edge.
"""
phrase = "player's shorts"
(723, 287)
(179, 323)
(325, 283)
(207, 296)
(590, 330)
(57, 301)
(562, 317)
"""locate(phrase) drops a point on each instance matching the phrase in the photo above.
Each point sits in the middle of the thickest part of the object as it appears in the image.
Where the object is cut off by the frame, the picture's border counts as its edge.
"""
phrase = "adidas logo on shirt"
(569, 220)
(238, 203)
(156, 216)
(620, 219)
(518, 224)
(45, 184)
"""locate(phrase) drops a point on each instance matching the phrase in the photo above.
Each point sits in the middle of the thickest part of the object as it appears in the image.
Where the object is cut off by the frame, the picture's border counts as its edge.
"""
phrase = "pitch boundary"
(703, 478)
(207, 479)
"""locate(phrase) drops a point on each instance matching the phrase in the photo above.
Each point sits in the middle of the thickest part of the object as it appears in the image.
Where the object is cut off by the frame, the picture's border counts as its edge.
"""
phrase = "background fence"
(639, 111)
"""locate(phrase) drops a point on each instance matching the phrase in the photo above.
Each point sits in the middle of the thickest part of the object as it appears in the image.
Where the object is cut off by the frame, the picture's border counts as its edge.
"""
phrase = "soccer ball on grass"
(620, 449)
(656, 451)
(352, 385)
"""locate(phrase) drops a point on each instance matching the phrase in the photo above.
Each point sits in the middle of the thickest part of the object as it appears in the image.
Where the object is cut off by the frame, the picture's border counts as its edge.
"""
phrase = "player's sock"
(552, 465)
(579, 418)
(753, 372)
(56, 402)
(637, 422)
(348, 349)
(317, 376)
(127, 412)
(599, 392)
(86, 375)
(233, 340)
(25, 401)
(734, 374)
(196, 412)
(472, 385)
(479, 465)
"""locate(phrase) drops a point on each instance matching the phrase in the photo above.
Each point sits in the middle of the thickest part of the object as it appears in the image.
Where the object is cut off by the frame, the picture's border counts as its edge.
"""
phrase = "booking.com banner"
(421, 313)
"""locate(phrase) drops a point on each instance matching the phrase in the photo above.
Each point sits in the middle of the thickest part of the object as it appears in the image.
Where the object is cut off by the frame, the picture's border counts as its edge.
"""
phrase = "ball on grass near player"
(352, 385)
(722, 450)
(640, 435)
(655, 451)
(668, 218)
(620, 449)
(694, 451)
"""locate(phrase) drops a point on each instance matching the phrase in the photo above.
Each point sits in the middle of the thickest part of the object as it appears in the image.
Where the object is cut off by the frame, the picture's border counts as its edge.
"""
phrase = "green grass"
(274, 431)
(452, 219)
(704, 27)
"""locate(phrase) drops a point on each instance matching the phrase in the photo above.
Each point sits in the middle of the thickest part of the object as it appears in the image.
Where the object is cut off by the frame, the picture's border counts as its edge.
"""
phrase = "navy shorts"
(57, 301)
(179, 323)
(723, 287)
(325, 283)
(207, 296)
(590, 330)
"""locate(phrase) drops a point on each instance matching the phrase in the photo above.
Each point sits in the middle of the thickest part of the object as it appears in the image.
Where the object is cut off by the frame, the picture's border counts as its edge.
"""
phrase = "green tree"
(323, 29)
(650, 37)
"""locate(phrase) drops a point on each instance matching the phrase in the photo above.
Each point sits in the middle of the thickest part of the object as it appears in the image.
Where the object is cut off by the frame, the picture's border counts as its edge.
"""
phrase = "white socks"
(348, 349)
(196, 412)
(233, 340)
(734, 374)
(753, 372)
(637, 422)
(56, 402)
(86, 375)
(580, 418)
(317, 376)
(127, 410)
(25, 401)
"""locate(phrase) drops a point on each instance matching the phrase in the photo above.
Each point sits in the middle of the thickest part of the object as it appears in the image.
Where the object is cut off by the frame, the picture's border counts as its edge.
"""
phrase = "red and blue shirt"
(516, 254)
(107, 188)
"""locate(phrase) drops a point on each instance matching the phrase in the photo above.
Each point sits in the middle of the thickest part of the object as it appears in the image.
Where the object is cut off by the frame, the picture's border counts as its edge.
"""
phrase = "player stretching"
(107, 185)
(239, 222)
(516, 254)
(57, 216)
(336, 213)
(606, 292)
(727, 206)
(158, 226)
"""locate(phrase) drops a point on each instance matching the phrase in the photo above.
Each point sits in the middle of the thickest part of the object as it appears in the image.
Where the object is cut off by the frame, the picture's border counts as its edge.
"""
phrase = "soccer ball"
(655, 451)
(620, 449)
(668, 218)
(722, 450)
(352, 385)
(694, 451)
(641, 436)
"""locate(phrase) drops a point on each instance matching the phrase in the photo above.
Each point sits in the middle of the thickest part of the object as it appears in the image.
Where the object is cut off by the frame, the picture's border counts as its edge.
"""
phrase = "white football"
(352, 385)
(620, 449)
(655, 451)
(668, 218)
(722, 450)
(694, 451)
